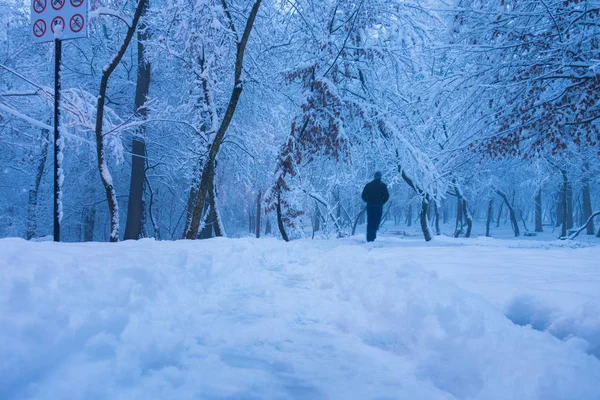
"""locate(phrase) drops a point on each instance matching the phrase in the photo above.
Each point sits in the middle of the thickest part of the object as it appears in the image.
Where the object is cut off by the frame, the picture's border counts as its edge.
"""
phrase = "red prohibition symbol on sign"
(39, 28)
(76, 3)
(76, 23)
(58, 21)
(57, 4)
(39, 5)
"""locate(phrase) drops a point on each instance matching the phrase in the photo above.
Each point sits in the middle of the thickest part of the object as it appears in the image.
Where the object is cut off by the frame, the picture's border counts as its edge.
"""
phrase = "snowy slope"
(263, 319)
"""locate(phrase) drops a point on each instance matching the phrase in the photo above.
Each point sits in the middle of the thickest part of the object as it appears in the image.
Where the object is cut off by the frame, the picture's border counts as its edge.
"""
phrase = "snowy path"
(262, 319)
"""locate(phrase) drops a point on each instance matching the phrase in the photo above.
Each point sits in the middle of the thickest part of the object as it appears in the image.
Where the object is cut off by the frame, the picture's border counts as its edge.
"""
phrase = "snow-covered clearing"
(322, 319)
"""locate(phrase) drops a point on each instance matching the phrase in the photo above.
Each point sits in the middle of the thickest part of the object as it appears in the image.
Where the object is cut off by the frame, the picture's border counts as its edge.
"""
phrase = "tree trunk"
(445, 213)
(426, 199)
(437, 220)
(89, 222)
(284, 235)
(564, 202)
(499, 215)
(212, 203)
(587, 203)
(338, 208)
(135, 206)
(207, 229)
(490, 217)
(194, 187)
(466, 214)
(521, 215)
(409, 215)
(538, 211)
(459, 218)
(569, 206)
(317, 218)
(268, 227)
(209, 169)
(258, 213)
(423, 218)
(513, 217)
(35, 187)
(151, 212)
(560, 211)
(105, 176)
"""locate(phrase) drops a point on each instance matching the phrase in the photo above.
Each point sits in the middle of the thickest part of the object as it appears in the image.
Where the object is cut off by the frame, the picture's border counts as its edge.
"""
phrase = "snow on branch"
(31, 121)
(107, 11)
(582, 227)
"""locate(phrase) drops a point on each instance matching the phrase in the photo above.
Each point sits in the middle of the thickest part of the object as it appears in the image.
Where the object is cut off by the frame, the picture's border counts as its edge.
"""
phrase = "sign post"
(57, 191)
(58, 20)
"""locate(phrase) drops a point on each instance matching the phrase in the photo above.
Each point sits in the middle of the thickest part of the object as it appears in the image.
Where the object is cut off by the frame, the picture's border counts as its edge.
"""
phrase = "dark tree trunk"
(426, 200)
(564, 202)
(587, 203)
(499, 215)
(409, 215)
(317, 218)
(511, 210)
(268, 227)
(569, 206)
(445, 213)
(560, 210)
(438, 232)
(462, 213)
(538, 211)
(192, 196)
(208, 202)
(490, 217)
(521, 215)
(284, 235)
(89, 222)
(209, 169)
(423, 218)
(212, 204)
(111, 196)
(338, 208)
(135, 205)
(467, 215)
(35, 187)
(150, 210)
(207, 230)
(459, 218)
(258, 213)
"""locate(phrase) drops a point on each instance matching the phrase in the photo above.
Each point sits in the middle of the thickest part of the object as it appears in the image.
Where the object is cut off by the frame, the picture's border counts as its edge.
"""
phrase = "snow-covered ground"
(311, 319)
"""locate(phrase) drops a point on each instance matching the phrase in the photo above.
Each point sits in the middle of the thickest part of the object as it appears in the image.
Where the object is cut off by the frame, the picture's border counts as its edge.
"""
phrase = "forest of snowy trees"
(239, 117)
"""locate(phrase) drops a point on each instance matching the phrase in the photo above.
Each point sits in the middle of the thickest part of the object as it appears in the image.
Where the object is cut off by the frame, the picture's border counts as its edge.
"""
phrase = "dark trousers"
(373, 220)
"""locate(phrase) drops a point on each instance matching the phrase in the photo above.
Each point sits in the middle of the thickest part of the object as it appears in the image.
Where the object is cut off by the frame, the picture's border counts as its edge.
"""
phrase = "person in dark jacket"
(375, 194)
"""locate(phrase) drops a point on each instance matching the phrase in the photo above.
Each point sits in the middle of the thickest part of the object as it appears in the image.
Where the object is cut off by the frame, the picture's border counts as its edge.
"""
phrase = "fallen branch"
(582, 227)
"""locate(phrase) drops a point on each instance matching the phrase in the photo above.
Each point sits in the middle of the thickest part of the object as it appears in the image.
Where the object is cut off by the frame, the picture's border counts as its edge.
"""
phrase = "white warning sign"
(60, 19)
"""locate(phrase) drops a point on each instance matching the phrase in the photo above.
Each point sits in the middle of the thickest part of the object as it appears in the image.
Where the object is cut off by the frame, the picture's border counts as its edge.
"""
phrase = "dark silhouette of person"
(375, 194)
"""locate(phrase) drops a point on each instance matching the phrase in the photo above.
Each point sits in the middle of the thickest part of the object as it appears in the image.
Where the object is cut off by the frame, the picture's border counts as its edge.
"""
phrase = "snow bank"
(582, 327)
(262, 319)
